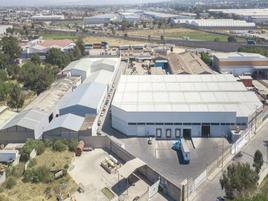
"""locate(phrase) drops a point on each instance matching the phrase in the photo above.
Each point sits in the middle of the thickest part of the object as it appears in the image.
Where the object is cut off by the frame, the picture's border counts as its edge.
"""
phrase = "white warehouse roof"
(185, 93)
(240, 56)
(221, 23)
(68, 121)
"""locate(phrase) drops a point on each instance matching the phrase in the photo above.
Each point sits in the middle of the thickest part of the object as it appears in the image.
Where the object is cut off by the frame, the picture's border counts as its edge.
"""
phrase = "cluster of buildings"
(41, 47)
(70, 108)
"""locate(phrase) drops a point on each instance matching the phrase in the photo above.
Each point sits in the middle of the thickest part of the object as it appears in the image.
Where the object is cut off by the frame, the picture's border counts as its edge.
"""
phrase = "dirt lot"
(88, 172)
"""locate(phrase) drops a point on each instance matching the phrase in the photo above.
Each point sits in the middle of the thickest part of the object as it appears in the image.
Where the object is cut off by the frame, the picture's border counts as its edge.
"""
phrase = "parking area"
(166, 161)
(98, 184)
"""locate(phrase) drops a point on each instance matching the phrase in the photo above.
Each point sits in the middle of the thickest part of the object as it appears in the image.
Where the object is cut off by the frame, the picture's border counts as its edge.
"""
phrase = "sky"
(69, 2)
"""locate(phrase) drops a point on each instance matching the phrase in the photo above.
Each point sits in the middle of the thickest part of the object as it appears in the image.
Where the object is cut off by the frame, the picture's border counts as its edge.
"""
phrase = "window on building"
(215, 124)
(177, 133)
(168, 133)
(159, 132)
(187, 124)
(150, 123)
(177, 123)
(132, 124)
(140, 123)
(159, 123)
(195, 124)
(168, 123)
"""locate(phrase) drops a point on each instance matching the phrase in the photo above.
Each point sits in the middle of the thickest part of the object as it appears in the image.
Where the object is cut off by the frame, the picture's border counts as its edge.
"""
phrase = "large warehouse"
(239, 63)
(170, 106)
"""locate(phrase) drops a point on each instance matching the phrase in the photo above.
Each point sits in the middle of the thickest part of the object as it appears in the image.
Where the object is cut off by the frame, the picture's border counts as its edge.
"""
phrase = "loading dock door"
(205, 131)
(140, 131)
(187, 133)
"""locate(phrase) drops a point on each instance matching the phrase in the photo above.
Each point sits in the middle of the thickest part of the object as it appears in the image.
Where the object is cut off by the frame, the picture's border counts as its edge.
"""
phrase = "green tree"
(11, 47)
(238, 180)
(205, 57)
(257, 197)
(81, 46)
(35, 58)
(13, 70)
(258, 161)
(3, 75)
(4, 60)
(216, 39)
(57, 57)
(16, 97)
(5, 88)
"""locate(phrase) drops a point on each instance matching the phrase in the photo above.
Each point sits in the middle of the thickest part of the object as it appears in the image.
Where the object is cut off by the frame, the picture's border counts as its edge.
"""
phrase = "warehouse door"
(205, 131)
(187, 134)
(140, 131)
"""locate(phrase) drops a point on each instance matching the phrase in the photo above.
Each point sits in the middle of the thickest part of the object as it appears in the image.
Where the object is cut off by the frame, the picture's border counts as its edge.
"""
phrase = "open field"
(181, 33)
(59, 36)
(111, 41)
(36, 191)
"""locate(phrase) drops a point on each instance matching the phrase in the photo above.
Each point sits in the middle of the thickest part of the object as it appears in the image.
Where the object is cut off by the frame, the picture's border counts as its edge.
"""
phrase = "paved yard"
(87, 171)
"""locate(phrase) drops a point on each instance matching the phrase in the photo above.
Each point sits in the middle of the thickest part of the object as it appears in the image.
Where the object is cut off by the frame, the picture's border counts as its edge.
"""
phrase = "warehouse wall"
(60, 133)
(15, 134)
(77, 110)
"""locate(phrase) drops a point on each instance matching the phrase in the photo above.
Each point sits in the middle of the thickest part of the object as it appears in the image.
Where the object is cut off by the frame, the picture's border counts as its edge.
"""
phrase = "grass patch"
(43, 191)
(58, 36)
(108, 193)
(182, 33)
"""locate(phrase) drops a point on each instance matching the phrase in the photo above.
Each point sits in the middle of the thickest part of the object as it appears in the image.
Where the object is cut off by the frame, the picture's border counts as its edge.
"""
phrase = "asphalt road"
(210, 190)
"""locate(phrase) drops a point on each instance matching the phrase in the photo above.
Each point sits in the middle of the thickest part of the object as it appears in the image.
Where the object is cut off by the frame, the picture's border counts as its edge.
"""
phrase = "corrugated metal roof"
(102, 76)
(88, 95)
(31, 119)
(68, 121)
(185, 93)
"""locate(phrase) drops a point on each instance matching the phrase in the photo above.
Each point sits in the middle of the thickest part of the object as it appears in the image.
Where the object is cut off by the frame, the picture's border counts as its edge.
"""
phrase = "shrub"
(72, 144)
(38, 145)
(10, 182)
(59, 146)
(40, 174)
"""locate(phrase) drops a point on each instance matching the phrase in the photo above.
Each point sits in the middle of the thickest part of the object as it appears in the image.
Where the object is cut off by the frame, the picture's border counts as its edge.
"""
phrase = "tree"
(216, 39)
(35, 58)
(57, 57)
(232, 39)
(257, 197)
(16, 97)
(4, 60)
(238, 179)
(11, 47)
(81, 46)
(257, 161)
(205, 57)
(13, 70)
(3, 75)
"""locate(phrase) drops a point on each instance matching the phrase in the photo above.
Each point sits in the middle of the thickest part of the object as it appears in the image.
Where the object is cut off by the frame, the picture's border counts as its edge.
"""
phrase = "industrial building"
(28, 124)
(187, 63)
(86, 99)
(172, 106)
(69, 126)
(220, 23)
(87, 66)
(33, 120)
(47, 17)
(98, 20)
(258, 15)
(41, 47)
(239, 63)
